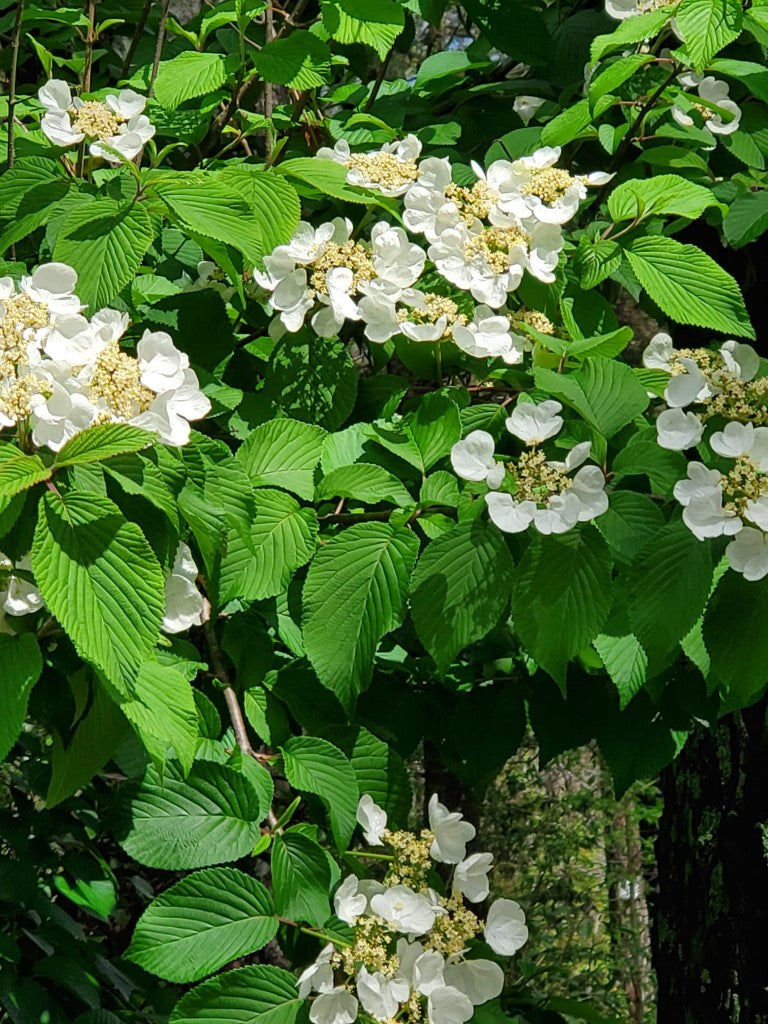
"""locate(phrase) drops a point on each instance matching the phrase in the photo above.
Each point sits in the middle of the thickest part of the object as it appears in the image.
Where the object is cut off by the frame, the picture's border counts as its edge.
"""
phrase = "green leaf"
(316, 766)
(460, 589)
(283, 453)
(364, 482)
(37, 207)
(105, 241)
(19, 472)
(625, 662)
(689, 286)
(631, 520)
(631, 30)
(201, 923)
(604, 392)
(616, 74)
(561, 597)
(747, 219)
(375, 23)
(312, 379)
(434, 428)
(25, 175)
(327, 177)
(379, 771)
(301, 877)
(103, 442)
(707, 26)
(176, 824)
(355, 592)
(258, 994)
(736, 638)
(282, 538)
(272, 200)
(162, 710)
(669, 584)
(644, 457)
(663, 194)
(596, 261)
(188, 75)
(20, 666)
(102, 581)
(300, 61)
(569, 124)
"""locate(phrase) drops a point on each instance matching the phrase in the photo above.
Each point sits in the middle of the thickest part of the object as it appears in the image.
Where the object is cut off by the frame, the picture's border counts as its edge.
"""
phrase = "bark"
(711, 912)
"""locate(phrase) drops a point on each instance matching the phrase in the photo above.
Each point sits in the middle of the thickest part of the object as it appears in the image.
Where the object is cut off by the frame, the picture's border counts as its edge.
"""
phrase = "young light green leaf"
(188, 75)
(103, 441)
(162, 710)
(364, 482)
(300, 61)
(375, 23)
(201, 923)
(663, 194)
(706, 26)
(316, 766)
(19, 472)
(283, 453)
(747, 219)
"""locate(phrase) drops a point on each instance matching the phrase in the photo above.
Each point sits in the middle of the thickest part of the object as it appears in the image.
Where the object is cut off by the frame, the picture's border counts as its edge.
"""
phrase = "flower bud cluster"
(533, 489)
(479, 242)
(410, 957)
(61, 372)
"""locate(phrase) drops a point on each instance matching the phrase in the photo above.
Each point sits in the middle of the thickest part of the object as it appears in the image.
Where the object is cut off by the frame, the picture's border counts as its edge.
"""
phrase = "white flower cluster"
(116, 123)
(481, 240)
(542, 490)
(61, 372)
(408, 960)
(712, 102)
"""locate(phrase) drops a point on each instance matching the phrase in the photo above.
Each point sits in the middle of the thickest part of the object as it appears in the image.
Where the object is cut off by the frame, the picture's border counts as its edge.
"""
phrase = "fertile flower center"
(95, 120)
(116, 380)
(495, 245)
(533, 318)
(536, 479)
(435, 307)
(452, 931)
(349, 254)
(743, 483)
(384, 169)
(472, 202)
(548, 183)
(21, 317)
(732, 398)
(17, 396)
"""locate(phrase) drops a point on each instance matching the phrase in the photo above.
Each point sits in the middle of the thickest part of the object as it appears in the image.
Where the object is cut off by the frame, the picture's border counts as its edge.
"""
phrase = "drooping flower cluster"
(410, 958)
(116, 123)
(61, 372)
(537, 490)
(479, 242)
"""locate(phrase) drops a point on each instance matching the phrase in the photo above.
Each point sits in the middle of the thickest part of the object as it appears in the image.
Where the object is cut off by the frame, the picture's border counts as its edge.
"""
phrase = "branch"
(89, 41)
(12, 84)
(158, 47)
(141, 24)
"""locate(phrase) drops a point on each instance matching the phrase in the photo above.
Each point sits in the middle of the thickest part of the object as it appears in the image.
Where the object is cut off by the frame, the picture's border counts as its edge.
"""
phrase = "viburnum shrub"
(324, 370)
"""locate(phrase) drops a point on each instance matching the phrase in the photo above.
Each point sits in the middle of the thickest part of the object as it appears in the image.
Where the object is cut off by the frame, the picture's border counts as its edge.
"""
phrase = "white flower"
(509, 515)
(756, 511)
(549, 194)
(318, 977)
(334, 1007)
(658, 353)
(678, 430)
(118, 123)
(427, 210)
(373, 820)
(183, 601)
(404, 910)
(700, 481)
(533, 423)
(716, 103)
(479, 980)
(505, 930)
(526, 106)
(472, 459)
(737, 439)
(687, 387)
(396, 259)
(73, 339)
(740, 360)
(488, 337)
(622, 9)
(427, 972)
(162, 365)
(348, 902)
(748, 554)
(471, 877)
(701, 496)
(65, 412)
(448, 1006)
(170, 413)
(21, 598)
(390, 170)
(381, 996)
(451, 833)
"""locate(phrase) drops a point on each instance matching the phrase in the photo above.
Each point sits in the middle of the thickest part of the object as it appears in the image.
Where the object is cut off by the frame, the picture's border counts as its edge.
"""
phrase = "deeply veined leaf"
(434, 428)
(203, 204)
(735, 638)
(631, 30)
(312, 379)
(272, 200)
(689, 286)
(203, 922)
(20, 666)
(663, 194)
(282, 538)
(379, 770)
(604, 392)
(706, 26)
(376, 23)
(354, 593)
(365, 482)
(300, 61)
(258, 994)
(103, 441)
(747, 219)
(316, 766)
(188, 75)
(562, 596)
(283, 453)
(631, 520)
(460, 589)
(301, 877)
(162, 710)
(326, 176)
(210, 817)
(105, 241)
(18, 471)
(102, 581)
(625, 662)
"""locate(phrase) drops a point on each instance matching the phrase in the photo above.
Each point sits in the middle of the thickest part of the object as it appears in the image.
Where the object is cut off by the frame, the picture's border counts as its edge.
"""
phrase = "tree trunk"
(711, 912)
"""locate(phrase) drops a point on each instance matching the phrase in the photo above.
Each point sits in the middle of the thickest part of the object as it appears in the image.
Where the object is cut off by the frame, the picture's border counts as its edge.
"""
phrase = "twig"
(90, 39)
(12, 84)
(379, 80)
(645, 109)
(158, 47)
(141, 24)
(269, 96)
